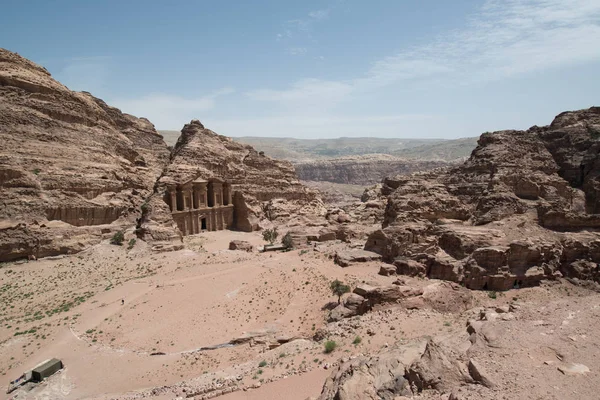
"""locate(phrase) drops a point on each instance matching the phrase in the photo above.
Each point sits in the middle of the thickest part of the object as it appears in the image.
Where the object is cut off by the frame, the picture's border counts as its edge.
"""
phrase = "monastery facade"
(200, 205)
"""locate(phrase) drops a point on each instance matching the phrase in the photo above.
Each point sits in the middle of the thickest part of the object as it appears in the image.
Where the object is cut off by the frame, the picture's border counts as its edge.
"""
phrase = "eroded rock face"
(74, 170)
(361, 170)
(264, 189)
(71, 166)
(377, 377)
(467, 224)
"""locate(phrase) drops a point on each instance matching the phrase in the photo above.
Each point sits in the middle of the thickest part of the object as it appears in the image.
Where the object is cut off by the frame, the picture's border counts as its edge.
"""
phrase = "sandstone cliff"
(361, 170)
(70, 165)
(522, 208)
(74, 170)
(263, 188)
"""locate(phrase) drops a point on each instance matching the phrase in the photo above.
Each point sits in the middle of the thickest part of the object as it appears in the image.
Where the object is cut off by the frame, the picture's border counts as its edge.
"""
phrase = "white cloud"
(296, 51)
(168, 111)
(319, 14)
(307, 93)
(303, 25)
(502, 39)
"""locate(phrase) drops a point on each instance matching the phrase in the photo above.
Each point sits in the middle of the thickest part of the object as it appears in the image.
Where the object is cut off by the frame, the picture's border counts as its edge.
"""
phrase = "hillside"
(299, 150)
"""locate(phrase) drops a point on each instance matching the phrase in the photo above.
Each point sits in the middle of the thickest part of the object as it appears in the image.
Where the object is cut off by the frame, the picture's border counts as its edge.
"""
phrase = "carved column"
(189, 197)
(202, 195)
(229, 195)
(173, 196)
(214, 195)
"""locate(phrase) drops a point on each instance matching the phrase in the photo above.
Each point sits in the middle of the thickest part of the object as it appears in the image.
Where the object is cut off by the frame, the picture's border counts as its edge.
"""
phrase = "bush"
(145, 208)
(287, 241)
(357, 340)
(118, 238)
(270, 235)
(492, 294)
(263, 363)
(131, 244)
(330, 346)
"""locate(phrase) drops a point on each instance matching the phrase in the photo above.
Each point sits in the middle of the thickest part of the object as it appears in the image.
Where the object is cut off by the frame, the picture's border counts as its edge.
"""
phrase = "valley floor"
(178, 304)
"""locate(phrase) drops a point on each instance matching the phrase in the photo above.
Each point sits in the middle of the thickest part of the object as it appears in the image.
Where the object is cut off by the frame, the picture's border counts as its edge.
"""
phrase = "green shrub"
(330, 346)
(118, 238)
(145, 208)
(263, 363)
(492, 294)
(270, 235)
(357, 340)
(131, 244)
(37, 171)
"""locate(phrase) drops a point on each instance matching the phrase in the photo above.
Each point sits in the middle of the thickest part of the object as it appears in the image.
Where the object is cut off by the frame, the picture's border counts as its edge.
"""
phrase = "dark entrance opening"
(226, 190)
(211, 194)
(203, 224)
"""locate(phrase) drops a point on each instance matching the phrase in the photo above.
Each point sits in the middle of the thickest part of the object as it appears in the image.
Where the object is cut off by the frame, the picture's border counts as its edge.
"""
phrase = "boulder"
(357, 304)
(386, 294)
(480, 375)
(387, 270)
(373, 378)
(339, 313)
(326, 234)
(345, 258)
(241, 245)
(437, 369)
(406, 266)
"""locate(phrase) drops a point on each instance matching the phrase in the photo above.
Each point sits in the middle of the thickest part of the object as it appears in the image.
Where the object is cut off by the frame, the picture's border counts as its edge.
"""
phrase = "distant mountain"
(300, 150)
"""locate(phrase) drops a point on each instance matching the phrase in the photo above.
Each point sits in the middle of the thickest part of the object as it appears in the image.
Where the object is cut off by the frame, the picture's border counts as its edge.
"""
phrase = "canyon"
(446, 270)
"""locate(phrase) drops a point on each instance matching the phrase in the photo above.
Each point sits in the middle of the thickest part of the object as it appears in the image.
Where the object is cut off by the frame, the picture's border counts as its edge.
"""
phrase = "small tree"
(339, 289)
(270, 235)
(118, 238)
(287, 241)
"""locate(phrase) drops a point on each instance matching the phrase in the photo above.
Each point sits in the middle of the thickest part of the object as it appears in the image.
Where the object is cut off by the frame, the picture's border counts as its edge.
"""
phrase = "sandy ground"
(176, 303)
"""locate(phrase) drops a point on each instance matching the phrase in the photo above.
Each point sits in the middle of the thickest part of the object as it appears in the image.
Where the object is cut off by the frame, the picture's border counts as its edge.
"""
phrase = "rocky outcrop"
(361, 170)
(72, 168)
(378, 377)
(401, 372)
(467, 223)
(264, 189)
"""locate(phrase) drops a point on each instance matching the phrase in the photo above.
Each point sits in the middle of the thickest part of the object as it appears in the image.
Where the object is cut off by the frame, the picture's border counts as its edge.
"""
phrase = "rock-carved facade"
(200, 205)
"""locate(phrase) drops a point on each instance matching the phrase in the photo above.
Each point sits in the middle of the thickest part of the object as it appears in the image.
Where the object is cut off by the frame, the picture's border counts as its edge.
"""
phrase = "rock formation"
(522, 208)
(361, 170)
(74, 170)
(260, 188)
(71, 167)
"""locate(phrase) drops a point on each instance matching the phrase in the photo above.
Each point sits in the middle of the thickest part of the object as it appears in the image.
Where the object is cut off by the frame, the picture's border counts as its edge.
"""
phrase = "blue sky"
(321, 68)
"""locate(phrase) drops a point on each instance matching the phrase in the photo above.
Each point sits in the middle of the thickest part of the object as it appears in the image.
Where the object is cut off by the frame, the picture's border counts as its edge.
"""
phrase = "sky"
(321, 68)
